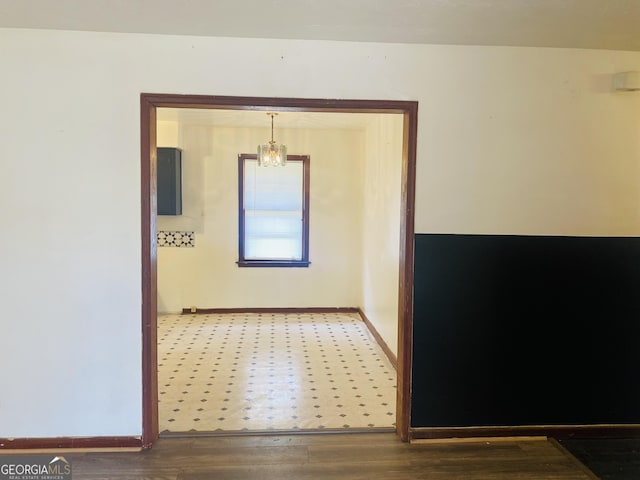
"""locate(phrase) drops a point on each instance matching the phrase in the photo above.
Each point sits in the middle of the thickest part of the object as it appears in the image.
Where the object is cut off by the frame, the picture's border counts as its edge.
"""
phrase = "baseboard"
(186, 311)
(554, 431)
(73, 443)
(385, 348)
(441, 441)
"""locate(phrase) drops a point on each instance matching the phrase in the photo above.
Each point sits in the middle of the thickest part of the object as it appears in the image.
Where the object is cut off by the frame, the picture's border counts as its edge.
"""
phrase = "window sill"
(274, 263)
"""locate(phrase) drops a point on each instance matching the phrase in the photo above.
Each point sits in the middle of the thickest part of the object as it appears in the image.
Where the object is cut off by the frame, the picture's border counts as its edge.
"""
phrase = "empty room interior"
(282, 347)
(440, 281)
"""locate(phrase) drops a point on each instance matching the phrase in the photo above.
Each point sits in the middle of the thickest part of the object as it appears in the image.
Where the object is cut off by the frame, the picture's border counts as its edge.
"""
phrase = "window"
(273, 213)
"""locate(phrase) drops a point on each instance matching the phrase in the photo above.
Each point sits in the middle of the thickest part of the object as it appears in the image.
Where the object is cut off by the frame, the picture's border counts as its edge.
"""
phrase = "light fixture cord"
(272, 115)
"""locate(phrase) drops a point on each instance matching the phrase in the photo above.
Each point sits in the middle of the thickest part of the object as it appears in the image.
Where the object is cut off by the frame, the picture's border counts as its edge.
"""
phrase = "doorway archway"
(148, 105)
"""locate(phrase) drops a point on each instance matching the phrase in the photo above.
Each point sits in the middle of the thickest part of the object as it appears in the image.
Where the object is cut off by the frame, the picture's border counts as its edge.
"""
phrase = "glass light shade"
(272, 154)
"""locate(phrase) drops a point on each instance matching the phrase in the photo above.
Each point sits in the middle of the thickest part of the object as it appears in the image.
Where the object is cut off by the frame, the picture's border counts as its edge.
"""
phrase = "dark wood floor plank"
(122, 476)
(257, 455)
(251, 441)
(378, 471)
(338, 456)
(429, 452)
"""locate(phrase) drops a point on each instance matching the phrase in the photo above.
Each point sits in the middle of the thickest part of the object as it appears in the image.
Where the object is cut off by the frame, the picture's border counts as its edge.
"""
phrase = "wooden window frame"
(304, 261)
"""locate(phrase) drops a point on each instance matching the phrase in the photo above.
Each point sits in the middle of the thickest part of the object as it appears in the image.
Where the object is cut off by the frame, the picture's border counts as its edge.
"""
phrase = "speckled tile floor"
(261, 372)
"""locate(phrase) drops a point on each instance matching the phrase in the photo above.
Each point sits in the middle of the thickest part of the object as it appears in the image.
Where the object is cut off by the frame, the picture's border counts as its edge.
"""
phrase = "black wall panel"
(526, 330)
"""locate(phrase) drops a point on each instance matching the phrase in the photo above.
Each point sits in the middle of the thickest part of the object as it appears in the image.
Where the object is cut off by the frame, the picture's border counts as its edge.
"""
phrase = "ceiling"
(598, 24)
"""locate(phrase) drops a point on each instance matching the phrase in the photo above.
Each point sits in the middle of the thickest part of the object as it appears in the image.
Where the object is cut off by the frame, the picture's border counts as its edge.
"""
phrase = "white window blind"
(273, 211)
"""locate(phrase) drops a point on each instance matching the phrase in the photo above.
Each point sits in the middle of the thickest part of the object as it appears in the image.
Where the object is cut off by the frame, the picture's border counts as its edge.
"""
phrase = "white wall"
(207, 275)
(530, 141)
(510, 140)
(168, 134)
(381, 225)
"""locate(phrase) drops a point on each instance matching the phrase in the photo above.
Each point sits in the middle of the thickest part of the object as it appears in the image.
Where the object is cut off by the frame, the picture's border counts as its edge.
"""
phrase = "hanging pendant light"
(271, 153)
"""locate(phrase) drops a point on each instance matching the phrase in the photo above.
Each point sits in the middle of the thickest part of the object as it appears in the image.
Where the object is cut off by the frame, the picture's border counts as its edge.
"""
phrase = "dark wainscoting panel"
(526, 330)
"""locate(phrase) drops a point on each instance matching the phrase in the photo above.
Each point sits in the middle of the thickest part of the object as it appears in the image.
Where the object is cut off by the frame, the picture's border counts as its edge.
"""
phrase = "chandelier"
(272, 154)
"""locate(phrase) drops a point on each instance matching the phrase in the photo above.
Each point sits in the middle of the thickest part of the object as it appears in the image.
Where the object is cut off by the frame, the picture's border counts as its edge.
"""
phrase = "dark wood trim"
(306, 207)
(279, 103)
(149, 272)
(405, 291)
(69, 442)
(273, 264)
(385, 348)
(304, 262)
(241, 158)
(555, 431)
(149, 102)
(188, 311)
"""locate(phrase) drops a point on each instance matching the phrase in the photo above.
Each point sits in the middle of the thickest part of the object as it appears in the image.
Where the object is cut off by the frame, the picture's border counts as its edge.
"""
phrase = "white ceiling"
(601, 24)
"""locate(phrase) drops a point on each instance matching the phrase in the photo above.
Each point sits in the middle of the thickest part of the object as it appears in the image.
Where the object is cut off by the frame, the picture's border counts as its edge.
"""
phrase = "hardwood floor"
(367, 456)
